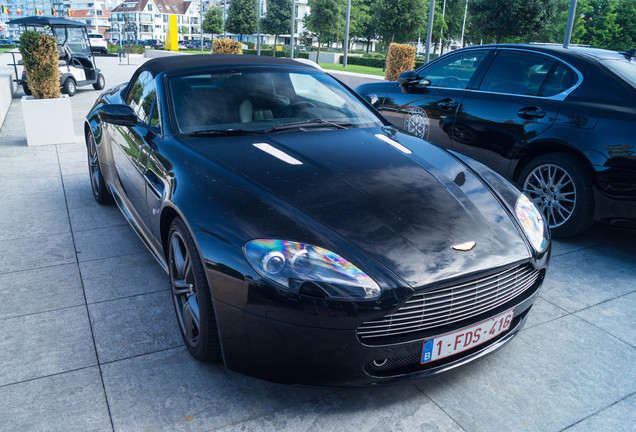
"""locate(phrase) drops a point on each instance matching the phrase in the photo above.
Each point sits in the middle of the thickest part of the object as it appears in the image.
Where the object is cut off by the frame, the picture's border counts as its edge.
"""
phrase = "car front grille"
(447, 305)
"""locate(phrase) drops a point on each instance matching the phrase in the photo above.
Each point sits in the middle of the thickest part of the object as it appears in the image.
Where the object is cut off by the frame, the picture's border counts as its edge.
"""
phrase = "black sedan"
(308, 241)
(557, 122)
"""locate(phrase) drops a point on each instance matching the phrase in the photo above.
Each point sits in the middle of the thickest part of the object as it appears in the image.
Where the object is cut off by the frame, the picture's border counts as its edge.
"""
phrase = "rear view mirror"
(118, 114)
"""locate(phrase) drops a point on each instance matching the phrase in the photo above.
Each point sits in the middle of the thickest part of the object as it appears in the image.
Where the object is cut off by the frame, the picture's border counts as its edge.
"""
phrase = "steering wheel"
(452, 82)
(296, 106)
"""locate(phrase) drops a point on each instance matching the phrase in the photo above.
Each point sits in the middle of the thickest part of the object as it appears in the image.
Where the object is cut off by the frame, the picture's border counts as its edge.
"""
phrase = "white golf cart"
(77, 63)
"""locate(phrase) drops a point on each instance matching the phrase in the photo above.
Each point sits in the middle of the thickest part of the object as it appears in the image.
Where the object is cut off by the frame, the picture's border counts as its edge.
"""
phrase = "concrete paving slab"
(173, 392)
(125, 276)
(107, 242)
(46, 289)
(547, 379)
(579, 280)
(36, 252)
(93, 215)
(33, 215)
(74, 168)
(620, 417)
(398, 408)
(133, 326)
(543, 311)
(20, 186)
(69, 402)
(78, 191)
(616, 317)
(33, 346)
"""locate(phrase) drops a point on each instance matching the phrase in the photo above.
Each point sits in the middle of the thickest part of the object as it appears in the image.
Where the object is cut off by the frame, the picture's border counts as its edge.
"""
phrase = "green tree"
(609, 24)
(398, 18)
(213, 20)
(241, 17)
(278, 19)
(498, 19)
(360, 22)
(325, 18)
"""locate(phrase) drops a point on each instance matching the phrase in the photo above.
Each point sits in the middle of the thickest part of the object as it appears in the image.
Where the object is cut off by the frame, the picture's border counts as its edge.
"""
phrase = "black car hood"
(406, 211)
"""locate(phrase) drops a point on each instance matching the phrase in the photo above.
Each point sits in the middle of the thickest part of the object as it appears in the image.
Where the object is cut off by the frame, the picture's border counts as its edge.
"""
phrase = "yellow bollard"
(172, 35)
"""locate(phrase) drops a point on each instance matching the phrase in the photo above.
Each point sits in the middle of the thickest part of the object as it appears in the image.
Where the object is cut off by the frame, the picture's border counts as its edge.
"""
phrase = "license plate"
(466, 338)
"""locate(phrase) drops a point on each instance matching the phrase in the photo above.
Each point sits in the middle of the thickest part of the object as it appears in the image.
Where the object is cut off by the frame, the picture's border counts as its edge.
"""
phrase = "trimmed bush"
(401, 58)
(268, 53)
(40, 58)
(226, 46)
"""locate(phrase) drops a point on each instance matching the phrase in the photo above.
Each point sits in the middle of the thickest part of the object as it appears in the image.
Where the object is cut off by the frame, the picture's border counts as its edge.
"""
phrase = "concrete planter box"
(48, 121)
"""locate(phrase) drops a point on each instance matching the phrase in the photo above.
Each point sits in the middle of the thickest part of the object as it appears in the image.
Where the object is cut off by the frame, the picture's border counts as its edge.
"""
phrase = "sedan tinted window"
(454, 71)
(517, 72)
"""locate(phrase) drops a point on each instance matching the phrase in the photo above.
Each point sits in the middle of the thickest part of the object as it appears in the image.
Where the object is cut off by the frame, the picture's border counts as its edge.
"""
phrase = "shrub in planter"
(400, 58)
(226, 46)
(40, 58)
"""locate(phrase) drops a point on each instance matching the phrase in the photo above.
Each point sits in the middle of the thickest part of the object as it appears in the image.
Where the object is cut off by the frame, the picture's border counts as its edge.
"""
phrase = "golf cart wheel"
(27, 90)
(69, 87)
(101, 82)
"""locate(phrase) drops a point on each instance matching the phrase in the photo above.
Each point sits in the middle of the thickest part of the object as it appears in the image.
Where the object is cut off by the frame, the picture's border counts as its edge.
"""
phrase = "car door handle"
(447, 104)
(530, 113)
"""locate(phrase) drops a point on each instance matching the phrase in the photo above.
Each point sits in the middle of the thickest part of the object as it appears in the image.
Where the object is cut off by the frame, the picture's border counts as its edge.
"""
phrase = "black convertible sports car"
(558, 122)
(307, 240)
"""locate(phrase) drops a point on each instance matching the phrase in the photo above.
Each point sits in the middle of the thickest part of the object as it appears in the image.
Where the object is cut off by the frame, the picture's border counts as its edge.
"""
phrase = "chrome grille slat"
(447, 305)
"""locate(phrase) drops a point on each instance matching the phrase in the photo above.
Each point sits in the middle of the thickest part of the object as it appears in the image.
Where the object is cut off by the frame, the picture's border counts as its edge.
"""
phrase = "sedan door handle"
(447, 104)
(530, 113)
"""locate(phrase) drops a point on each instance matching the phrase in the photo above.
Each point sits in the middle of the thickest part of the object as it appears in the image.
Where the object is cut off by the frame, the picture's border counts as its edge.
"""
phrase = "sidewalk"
(89, 342)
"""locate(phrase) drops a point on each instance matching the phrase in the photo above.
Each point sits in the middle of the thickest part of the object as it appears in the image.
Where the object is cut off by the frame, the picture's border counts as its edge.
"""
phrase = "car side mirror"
(117, 114)
(411, 79)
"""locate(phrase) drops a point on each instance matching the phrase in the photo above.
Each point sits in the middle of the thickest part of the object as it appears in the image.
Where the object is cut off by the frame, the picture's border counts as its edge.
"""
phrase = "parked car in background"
(557, 122)
(98, 43)
(305, 238)
(153, 43)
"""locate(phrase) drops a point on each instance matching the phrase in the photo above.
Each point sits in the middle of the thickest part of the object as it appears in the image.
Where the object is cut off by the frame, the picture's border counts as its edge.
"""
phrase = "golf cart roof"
(41, 21)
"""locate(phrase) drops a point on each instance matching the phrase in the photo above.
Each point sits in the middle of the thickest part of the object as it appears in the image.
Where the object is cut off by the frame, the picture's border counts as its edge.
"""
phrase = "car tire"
(101, 82)
(98, 185)
(562, 189)
(69, 87)
(191, 295)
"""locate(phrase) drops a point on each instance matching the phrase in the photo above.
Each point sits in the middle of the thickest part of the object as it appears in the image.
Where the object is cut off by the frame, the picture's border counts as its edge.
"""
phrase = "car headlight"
(306, 269)
(532, 223)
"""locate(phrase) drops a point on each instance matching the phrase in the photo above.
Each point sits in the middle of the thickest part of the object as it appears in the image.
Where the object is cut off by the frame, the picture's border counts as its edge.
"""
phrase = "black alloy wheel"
(98, 185)
(561, 188)
(191, 295)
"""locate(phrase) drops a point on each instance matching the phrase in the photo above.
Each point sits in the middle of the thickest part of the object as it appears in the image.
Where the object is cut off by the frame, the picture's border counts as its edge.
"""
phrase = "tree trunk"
(274, 53)
(319, 42)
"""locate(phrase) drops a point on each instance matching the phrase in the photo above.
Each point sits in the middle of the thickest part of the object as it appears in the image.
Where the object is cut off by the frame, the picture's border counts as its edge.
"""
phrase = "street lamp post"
(346, 47)
(429, 31)
(293, 26)
(201, 23)
(258, 27)
(570, 24)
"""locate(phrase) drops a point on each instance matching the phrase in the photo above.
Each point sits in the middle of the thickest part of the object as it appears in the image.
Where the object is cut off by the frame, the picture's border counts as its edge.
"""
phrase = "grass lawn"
(4, 50)
(354, 68)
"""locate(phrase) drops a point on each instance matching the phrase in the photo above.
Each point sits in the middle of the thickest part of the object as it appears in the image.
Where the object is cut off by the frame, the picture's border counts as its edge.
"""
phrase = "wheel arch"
(546, 147)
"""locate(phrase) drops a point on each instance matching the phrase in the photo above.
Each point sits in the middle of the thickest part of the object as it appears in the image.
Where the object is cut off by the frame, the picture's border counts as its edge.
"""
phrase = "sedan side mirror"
(118, 114)
(410, 79)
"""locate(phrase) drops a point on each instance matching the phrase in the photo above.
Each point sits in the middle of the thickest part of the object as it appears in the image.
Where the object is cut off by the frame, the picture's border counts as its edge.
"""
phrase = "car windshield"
(624, 68)
(259, 100)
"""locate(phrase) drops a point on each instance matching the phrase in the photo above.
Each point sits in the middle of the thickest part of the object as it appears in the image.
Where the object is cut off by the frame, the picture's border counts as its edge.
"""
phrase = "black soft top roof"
(38, 20)
(178, 62)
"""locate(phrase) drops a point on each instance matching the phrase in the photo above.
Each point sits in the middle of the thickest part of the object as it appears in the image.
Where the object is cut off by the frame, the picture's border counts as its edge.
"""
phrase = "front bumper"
(293, 354)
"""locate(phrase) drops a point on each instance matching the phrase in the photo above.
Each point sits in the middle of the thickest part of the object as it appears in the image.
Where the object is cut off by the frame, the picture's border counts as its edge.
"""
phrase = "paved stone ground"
(89, 342)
